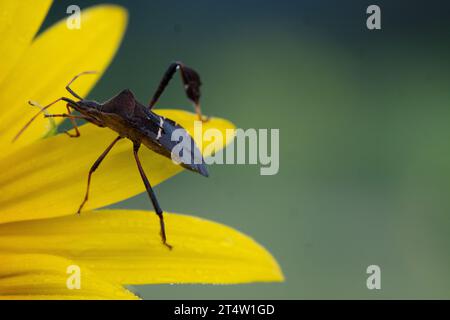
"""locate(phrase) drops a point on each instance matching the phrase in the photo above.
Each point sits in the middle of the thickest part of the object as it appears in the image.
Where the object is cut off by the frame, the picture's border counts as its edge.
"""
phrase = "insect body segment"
(132, 120)
(138, 123)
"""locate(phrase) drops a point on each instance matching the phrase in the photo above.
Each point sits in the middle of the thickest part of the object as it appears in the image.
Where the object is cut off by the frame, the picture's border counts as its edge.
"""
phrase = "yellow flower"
(42, 180)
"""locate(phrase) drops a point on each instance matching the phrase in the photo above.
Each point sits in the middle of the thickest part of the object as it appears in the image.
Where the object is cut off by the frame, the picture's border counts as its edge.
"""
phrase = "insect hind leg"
(191, 82)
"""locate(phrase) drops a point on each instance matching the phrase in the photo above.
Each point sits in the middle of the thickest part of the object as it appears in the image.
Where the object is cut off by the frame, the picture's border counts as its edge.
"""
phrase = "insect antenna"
(43, 110)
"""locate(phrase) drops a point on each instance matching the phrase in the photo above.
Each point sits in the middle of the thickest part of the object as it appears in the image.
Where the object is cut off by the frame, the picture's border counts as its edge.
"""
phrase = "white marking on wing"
(161, 123)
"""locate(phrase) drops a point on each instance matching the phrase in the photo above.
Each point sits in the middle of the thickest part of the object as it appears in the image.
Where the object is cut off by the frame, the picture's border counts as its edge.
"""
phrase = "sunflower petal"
(19, 22)
(50, 63)
(48, 178)
(125, 246)
(40, 276)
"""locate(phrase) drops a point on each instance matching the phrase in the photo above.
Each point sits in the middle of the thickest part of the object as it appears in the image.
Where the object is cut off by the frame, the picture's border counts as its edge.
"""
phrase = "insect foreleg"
(74, 124)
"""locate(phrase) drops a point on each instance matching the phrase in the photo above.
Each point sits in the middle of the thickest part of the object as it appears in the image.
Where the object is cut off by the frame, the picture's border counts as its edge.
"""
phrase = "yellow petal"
(40, 276)
(50, 63)
(48, 178)
(125, 246)
(19, 22)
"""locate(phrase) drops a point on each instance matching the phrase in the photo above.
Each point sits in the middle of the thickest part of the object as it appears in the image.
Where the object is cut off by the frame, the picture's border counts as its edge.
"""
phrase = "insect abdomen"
(165, 137)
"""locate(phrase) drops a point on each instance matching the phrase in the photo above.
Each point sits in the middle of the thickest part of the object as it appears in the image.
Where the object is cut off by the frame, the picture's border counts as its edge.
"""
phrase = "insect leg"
(75, 78)
(72, 118)
(74, 124)
(152, 196)
(93, 168)
(191, 82)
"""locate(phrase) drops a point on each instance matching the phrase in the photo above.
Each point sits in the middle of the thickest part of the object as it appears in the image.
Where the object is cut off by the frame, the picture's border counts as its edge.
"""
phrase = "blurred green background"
(364, 136)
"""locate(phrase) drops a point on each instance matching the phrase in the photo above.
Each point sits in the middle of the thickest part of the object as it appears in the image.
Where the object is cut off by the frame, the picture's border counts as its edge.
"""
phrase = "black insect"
(138, 123)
